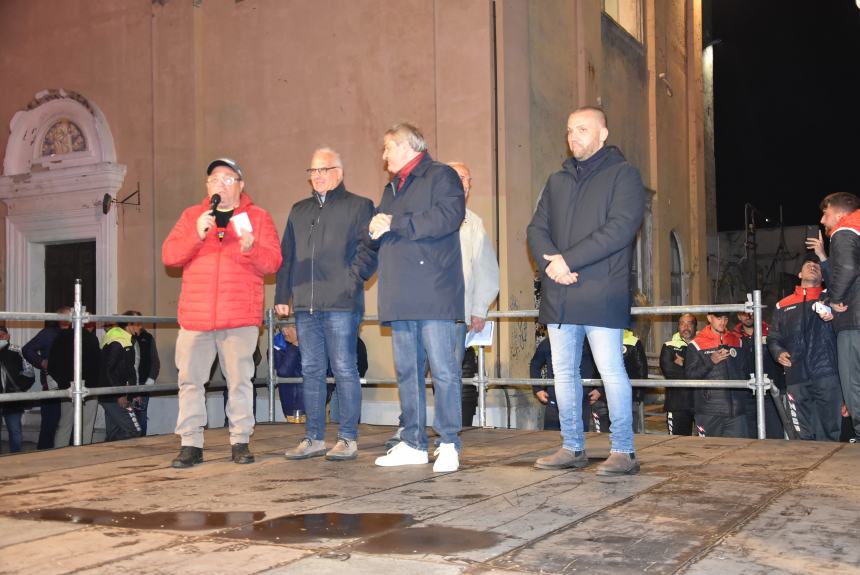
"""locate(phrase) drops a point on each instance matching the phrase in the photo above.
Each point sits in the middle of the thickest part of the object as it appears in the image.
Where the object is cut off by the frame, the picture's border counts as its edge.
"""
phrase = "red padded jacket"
(222, 288)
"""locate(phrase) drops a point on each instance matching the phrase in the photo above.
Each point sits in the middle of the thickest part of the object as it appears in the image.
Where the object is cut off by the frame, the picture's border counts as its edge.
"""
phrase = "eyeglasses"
(320, 171)
(226, 180)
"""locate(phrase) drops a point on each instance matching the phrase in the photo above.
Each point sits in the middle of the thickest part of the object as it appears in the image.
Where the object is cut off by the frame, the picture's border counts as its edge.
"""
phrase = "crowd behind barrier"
(758, 381)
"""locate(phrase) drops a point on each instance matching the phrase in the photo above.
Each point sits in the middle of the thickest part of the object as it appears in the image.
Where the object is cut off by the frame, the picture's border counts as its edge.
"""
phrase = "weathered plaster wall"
(267, 81)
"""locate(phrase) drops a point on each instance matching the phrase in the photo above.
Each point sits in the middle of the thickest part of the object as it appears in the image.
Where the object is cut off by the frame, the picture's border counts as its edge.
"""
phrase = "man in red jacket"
(225, 245)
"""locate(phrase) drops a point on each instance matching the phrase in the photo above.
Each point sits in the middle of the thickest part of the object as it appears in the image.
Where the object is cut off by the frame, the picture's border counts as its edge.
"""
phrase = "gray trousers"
(67, 422)
(195, 353)
(848, 354)
(815, 408)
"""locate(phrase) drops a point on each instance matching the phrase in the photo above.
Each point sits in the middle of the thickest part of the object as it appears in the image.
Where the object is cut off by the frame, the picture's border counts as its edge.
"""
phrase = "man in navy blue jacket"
(582, 236)
(421, 292)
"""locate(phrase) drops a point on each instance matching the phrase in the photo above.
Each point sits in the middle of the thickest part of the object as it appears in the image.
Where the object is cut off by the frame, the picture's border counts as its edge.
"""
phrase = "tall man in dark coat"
(582, 235)
(421, 292)
(841, 220)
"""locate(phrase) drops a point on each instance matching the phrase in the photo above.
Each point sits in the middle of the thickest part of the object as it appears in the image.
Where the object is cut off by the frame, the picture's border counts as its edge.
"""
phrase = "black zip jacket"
(326, 253)
(150, 364)
(811, 341)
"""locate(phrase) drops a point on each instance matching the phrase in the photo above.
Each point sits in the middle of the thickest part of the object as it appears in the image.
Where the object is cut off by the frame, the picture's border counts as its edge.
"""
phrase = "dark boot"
(188, 456)
(241, 453)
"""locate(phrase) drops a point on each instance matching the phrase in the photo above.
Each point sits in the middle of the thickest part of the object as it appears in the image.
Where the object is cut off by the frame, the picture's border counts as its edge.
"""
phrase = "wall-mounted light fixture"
(107, 200)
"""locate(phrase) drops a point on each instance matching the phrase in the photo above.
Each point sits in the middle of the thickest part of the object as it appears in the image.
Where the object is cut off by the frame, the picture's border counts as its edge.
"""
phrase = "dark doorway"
(64, 263)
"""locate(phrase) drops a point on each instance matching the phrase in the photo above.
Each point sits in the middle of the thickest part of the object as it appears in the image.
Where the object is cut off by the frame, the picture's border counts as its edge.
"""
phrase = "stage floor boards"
(698, 506)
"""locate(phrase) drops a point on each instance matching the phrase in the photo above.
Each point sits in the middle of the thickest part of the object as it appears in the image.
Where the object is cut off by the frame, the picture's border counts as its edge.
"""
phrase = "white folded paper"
(483, 337)
(241, 224)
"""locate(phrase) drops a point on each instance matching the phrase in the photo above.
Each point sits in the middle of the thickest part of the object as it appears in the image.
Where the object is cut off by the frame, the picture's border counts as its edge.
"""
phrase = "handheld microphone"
(214, 201)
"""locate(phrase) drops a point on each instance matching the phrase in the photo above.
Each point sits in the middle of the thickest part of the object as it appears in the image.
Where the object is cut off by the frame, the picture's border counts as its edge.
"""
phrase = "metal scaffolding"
(759, 383)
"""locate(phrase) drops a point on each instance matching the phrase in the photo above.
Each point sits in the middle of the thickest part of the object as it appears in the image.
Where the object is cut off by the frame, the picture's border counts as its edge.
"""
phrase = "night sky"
(787, 118)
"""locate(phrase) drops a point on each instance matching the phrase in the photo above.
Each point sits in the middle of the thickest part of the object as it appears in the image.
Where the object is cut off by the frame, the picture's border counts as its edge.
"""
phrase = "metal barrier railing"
(758, 382)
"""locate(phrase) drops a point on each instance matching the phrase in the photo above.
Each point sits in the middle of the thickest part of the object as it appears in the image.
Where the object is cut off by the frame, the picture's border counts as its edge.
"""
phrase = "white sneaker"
(447, 458)
(402, 454)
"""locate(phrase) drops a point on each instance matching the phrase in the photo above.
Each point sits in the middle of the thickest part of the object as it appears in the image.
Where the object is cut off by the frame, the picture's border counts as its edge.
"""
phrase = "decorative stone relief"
(64, 137)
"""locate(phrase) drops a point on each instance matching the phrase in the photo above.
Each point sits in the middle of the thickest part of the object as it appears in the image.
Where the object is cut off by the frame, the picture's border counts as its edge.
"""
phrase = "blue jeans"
(607, 347)
(330, 337)
(13, 426)
(437, 341)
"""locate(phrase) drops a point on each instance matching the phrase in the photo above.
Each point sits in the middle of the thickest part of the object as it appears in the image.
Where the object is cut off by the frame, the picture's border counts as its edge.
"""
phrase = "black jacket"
(720, 402)
(13, 367)
(61, 359)
(811, 341)
(677, 398)
(118, 359)
(420, 265)
(843, 283)
(590, 217)
(326, 253)
(150, 364)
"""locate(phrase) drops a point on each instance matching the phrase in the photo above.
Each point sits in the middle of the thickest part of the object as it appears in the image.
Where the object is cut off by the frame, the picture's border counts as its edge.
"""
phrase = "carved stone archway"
(60, 162)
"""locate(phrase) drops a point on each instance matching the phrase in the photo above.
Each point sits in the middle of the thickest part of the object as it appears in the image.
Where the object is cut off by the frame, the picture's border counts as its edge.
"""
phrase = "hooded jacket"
(222, 287)
(844, 269)
(798, 330)
(326, 258)
(589, 212)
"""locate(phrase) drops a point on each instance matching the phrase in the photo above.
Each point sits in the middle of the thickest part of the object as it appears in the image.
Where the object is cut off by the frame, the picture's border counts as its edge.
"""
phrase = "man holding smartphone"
(841, 220)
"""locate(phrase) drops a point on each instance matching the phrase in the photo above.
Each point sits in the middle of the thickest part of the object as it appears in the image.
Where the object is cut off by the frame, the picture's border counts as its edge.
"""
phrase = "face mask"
(3, 343)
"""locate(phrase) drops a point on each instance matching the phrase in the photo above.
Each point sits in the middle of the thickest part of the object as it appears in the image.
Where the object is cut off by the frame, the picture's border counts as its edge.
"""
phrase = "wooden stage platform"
(721, 506)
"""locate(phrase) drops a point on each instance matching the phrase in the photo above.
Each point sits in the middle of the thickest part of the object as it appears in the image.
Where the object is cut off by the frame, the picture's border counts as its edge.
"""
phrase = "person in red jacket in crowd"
(225, 245)
(719, 353)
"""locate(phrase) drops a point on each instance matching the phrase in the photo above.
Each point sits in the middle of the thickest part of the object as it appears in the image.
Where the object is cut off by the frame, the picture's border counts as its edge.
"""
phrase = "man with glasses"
(225, 245)
(326, 260)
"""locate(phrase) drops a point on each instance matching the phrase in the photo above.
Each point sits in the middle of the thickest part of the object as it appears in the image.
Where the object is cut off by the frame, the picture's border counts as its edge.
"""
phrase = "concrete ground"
(699, 506)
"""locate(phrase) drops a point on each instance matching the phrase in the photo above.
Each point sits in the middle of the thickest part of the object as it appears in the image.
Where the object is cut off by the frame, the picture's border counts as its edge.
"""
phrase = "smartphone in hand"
(813, 231)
